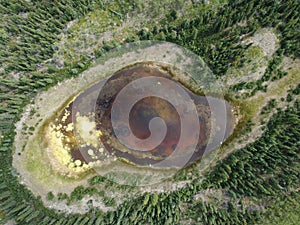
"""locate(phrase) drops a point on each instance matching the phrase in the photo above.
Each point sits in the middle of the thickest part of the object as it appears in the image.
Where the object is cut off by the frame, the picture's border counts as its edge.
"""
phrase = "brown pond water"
(96, 102)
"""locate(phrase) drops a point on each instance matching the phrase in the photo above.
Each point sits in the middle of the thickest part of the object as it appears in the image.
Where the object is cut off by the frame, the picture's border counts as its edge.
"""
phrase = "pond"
(145, 128)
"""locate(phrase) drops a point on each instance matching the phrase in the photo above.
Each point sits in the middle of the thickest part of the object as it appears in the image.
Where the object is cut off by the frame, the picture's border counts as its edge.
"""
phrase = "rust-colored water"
(140, 115)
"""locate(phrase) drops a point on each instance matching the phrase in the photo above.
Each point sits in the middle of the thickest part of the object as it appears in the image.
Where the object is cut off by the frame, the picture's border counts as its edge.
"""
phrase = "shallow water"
(214, 115)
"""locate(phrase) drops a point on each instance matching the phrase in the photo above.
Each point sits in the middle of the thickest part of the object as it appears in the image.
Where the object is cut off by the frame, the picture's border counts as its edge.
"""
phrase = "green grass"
(36, 161)
(285, 211)
(85, 33)
(256, 58)
(249, 110)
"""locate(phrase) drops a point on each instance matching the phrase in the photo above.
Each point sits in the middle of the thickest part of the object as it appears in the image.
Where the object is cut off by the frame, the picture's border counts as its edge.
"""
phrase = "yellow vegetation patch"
(60, 155)
(86, 129)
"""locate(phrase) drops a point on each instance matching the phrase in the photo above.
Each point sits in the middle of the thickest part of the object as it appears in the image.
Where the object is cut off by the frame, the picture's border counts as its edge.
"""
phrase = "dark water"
(97, 101)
